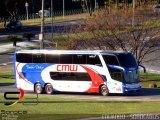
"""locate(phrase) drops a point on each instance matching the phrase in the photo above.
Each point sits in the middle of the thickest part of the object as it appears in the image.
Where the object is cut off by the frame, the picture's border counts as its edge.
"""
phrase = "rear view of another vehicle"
(14, 25)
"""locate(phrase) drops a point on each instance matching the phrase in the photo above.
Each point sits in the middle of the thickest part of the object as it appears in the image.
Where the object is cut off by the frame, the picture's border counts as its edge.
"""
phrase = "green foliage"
(29, 36)
(14, 39)
(7, 78)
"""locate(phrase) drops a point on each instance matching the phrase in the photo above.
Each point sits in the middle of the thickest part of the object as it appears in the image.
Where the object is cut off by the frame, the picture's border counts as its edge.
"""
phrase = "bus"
(96, 71)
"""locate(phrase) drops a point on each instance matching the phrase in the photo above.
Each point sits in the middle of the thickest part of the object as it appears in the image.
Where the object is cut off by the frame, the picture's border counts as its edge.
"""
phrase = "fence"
(36, 16)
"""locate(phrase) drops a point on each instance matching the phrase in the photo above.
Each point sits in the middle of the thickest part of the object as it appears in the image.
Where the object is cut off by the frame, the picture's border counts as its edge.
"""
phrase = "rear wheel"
(104, 90)
(38, 88)
(48, 89)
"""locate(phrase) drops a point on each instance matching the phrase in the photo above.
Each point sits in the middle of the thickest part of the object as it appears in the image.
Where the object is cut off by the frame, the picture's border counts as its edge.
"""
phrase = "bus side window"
(38, 58)
(93, 60)
(79, 59)
(65, 59)
(24, 57)
(52, 58)
(116, 74)
(70, 76)
(110, 60)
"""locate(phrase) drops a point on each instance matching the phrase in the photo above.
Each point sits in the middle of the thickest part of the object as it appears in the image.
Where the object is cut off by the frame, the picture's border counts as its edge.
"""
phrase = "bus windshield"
(127, 60)
(124, 59)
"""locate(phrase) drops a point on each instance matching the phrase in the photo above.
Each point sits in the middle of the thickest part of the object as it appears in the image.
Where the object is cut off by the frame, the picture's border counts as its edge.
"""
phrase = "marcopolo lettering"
(13, 112)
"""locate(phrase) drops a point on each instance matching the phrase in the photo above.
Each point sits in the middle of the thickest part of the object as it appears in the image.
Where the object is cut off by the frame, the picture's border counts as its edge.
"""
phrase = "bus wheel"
(104, 90)
(38, 88)
(48, 89)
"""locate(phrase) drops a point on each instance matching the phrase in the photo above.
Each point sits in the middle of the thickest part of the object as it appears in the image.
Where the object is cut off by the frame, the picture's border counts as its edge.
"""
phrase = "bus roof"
(72, 51)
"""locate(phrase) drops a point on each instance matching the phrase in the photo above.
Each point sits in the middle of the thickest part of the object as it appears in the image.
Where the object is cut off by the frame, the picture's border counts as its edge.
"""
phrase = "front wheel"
(104, 90)
(48, 89)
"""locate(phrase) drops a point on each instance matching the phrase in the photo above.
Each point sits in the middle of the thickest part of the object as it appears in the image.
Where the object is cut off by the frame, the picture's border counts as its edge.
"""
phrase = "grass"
(60, 105)
(22, 48)
(7, 78)
(149, 78)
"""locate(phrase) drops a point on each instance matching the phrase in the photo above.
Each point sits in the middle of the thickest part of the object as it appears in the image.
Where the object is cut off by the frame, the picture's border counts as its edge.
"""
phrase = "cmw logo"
(18, 99)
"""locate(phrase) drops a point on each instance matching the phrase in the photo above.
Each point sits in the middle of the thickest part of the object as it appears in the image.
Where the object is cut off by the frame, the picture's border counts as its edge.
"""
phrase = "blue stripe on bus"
(32, 72)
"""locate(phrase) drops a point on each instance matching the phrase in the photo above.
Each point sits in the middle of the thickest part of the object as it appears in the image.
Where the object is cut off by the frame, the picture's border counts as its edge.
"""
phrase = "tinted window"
(116, 74)
(157, 7)
(93, 60)
(38, 58)
(79, 59)
(127, 60)
(70, 76)
(24, 57)
(110, 60)
(52, 58)
(65, 59)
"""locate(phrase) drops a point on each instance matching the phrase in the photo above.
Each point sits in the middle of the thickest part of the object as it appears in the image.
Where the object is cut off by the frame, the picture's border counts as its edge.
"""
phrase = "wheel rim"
(104, 91)
(38, 89)
(49, 89)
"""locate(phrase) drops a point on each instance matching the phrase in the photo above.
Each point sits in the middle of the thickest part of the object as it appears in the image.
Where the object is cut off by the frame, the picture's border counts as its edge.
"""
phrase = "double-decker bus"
(101, 72)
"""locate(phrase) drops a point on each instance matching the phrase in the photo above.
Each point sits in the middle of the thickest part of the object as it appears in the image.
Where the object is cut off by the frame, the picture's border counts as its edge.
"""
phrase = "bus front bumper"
(131, 88)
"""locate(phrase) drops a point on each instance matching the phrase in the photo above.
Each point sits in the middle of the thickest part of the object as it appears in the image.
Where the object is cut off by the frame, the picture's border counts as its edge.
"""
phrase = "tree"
(14, 39)
(115, 32)
(29, 36)
(12, 8)
(86, 4)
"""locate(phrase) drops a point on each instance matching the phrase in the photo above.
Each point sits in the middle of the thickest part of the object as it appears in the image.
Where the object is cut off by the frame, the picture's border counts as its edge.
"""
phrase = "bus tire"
(104, 90)
(38, 88)
(48, 89)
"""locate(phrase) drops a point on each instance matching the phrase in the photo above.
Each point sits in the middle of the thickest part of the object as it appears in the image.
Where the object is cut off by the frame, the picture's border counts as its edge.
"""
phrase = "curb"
(4, 64)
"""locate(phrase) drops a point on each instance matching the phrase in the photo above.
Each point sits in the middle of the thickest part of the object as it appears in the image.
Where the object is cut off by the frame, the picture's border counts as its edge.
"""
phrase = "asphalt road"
(144, 95)
(6, 59)
(57, 27)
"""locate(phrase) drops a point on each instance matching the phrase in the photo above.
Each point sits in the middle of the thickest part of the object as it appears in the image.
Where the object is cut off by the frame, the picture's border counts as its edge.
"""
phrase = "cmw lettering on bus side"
(67, 68)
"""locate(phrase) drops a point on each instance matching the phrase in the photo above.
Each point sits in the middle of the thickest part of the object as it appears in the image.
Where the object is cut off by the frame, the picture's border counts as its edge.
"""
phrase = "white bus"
(101, 72)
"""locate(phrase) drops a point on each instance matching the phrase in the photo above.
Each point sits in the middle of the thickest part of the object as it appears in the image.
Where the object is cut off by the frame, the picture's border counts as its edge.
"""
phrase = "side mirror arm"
(144, 68)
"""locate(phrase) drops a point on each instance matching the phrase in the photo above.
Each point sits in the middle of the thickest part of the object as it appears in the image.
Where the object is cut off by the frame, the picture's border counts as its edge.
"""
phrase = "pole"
(133, 12)
(52, 18)
(26, 4)
(63, 9)
(42, 27)
(95, 4)
(27, 12)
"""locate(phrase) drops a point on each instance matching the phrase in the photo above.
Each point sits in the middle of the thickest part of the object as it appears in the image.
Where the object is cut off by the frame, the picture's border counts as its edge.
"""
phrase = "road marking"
(4, 64)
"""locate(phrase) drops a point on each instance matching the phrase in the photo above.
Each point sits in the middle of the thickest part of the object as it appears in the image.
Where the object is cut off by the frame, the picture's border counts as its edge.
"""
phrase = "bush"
(14, 39)
(28, 36)
(152, 85)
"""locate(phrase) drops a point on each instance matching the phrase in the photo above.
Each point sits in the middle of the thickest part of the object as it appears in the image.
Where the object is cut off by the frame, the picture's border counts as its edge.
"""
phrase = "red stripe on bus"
(20, 75)
(96, 80)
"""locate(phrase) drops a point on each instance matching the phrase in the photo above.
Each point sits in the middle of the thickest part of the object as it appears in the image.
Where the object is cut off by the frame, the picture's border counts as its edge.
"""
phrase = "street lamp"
(26, 5)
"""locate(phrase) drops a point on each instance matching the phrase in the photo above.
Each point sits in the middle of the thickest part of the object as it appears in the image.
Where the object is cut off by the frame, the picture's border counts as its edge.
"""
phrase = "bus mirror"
(144, 68)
